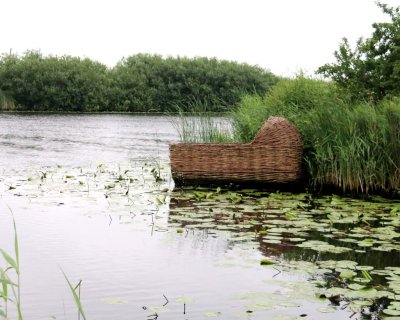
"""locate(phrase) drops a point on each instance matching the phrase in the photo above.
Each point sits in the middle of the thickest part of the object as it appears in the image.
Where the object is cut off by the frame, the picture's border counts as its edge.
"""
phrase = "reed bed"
(347, 146)
(200, 125)
(6, 103)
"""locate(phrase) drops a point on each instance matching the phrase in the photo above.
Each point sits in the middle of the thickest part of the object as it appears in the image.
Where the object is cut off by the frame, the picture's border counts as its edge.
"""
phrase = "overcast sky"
(284, 36)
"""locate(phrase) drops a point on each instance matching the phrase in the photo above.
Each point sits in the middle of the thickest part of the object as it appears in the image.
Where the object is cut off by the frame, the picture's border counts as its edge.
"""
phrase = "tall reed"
(12, 264)
(352, 147)
(6, 103)
(12, 283)
(199, 125)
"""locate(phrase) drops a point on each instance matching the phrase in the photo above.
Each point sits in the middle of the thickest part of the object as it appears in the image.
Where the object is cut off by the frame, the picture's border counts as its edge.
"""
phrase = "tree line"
(139, 83)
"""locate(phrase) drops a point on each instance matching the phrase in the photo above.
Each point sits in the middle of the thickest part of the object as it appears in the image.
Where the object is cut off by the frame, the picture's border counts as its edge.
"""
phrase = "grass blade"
(9, 260)
(76, 298)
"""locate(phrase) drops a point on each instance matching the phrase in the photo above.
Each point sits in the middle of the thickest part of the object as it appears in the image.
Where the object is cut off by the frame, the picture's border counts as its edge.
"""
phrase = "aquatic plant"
(347, 248)
(197, 124)
(12, 264)
(6, 103)
(76, 296)
(350, 147)
(7, 283)
(334, 249)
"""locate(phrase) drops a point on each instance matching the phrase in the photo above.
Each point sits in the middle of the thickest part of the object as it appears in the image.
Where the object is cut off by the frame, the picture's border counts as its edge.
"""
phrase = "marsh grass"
(6, 103)
(200, 125)
(355, 148)
(7, 284)
(12, 283)
(351, 147)
(76, 296)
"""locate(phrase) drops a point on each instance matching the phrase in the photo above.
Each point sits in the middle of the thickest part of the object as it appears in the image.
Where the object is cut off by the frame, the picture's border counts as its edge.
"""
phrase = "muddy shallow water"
(92, 196)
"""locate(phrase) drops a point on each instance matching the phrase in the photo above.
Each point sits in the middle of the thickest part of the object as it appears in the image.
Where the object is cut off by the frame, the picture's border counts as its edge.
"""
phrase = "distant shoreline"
(116, 113)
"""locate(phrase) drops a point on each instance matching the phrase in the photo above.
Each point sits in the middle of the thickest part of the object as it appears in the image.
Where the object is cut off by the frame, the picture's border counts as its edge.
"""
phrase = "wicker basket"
(274, 156)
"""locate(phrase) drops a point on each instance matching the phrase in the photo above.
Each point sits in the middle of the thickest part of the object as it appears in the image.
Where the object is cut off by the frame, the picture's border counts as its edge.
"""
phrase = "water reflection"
(339, 240)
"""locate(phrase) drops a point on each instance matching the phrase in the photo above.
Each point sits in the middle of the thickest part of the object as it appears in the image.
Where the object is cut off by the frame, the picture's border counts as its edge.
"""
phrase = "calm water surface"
(78, 140)
(132, 261)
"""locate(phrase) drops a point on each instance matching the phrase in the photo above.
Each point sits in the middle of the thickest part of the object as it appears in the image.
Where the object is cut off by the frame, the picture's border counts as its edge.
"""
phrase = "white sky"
(284, 36)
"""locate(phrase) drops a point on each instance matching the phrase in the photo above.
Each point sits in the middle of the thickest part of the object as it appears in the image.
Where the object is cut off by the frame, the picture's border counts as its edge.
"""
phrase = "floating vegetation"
(348, 249)
(334, 253)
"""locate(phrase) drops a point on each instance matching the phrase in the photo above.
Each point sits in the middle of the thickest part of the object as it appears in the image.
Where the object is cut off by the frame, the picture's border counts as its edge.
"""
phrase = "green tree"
(139, 83)
(152, 83)
(38, 83)
(372, 70)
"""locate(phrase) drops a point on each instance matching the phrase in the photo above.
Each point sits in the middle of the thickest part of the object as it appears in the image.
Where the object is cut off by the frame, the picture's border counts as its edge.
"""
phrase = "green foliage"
(372, 70)
(354, 147)
(290, 98)
(266, 262)
(199, 125)
(76, 297)
(149, 82)
(6, 103)
(12, 264)
(139, 83)
(38, 83)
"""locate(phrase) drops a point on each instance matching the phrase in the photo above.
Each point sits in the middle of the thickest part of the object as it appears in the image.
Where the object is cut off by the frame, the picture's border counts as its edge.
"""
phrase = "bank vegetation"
(139, 83)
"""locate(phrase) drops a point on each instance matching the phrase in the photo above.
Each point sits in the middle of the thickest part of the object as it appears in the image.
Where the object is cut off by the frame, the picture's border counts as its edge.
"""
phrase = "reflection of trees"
(376, 259)
(283, 221)
(286, 249)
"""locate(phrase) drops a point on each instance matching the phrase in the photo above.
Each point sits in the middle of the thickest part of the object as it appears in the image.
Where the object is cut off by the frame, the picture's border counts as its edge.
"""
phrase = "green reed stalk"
(354, 147)
(76, 296)
(199, 125)
(13, 264)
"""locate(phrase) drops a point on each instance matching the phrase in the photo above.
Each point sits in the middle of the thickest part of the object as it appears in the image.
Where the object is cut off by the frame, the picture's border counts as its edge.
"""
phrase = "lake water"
(78, 140)
(83, 192)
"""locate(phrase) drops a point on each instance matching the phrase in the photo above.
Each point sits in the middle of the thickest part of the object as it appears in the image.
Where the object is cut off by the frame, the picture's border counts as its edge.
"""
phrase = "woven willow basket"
(274, 156)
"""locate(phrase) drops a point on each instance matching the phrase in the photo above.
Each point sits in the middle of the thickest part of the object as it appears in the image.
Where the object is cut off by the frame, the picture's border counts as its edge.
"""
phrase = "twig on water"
(155, 316)
(279, 272)
(166, 300)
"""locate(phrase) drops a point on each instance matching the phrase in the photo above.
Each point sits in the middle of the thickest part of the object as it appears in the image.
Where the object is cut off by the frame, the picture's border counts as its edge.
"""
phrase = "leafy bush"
(290, 98)
(140, 83)
(149, 82)
(38, 83)
(6, 103)
(370, 71)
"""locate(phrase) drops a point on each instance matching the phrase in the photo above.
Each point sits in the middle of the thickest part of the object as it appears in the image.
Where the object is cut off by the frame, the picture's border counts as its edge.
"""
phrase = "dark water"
(133, 262)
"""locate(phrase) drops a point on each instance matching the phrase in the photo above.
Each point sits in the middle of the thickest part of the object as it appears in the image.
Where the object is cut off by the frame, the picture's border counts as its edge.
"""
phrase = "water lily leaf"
(391, 312)
(115, 301)
(158, 309)
(184, 300)
(212, 314)
(366, 268)
(347, 274)
(327, 309)
(356, 286)
(272, 241)
(346, 264)
(266, 262)
(262, 305)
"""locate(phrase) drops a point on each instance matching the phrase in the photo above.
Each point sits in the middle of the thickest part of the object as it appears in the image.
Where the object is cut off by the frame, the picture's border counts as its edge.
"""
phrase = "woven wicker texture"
(274, 156)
